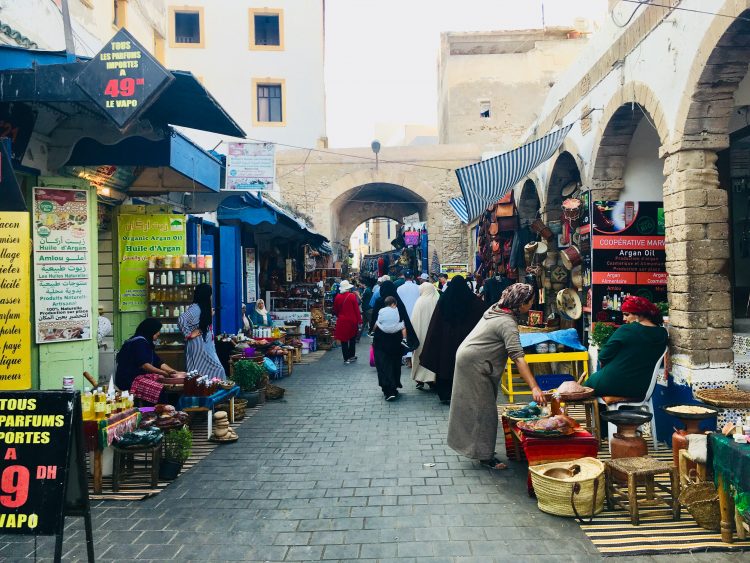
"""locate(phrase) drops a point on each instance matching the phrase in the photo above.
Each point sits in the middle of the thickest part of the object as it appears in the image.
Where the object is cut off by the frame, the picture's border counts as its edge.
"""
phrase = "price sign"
(123, 78)
(35, 460)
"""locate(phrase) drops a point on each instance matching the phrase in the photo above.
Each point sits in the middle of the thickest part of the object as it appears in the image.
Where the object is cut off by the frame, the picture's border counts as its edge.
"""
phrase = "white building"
(263, 60)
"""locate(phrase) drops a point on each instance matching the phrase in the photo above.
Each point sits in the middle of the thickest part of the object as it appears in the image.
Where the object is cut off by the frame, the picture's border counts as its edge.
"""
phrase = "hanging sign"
(139, 237)
(453, 270)
(42, 466)
(62, 265)
(15, 297)
(628, 256)
(123, 78)
(251, 276)
(250, 166)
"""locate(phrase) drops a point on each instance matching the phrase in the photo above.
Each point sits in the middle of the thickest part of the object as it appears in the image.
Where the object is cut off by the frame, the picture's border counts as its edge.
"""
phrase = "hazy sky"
(381, 55)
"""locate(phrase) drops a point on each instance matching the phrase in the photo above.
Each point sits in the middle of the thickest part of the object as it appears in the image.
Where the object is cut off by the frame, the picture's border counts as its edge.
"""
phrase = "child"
(388, 320)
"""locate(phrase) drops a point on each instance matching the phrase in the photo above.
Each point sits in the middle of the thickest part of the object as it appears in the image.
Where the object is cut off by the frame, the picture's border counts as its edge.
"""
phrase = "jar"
(209, 261)
(192, 261)
(168, 261)
(201, 261)
(177, 261)
(185, 261)
(542, 348)
(159, 261)
(551, 347)
(152, 261)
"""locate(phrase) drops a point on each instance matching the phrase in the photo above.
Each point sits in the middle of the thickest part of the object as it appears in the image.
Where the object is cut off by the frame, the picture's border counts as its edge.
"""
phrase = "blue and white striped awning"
(488, 181)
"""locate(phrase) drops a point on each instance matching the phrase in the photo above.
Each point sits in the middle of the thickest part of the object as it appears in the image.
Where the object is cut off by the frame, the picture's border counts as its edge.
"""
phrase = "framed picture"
(536, 318)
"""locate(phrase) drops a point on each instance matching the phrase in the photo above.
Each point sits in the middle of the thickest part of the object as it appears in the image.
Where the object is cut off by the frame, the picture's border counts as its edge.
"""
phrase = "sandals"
(420, 385)
(493, 463)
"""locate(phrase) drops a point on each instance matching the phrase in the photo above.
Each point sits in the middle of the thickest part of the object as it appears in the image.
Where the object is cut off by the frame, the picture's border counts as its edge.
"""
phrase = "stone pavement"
(334, 472)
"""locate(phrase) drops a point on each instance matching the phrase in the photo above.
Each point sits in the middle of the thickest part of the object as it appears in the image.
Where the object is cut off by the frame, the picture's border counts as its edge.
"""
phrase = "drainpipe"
(68, 30)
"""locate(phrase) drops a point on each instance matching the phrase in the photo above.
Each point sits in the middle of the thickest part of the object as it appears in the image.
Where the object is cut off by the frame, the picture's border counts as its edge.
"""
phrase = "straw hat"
(569, 304)
(345, 286)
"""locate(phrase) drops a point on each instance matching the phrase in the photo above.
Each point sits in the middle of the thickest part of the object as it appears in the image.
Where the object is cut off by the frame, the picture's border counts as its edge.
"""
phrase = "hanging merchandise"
(289, 269)
(411, 238)
(572, 211)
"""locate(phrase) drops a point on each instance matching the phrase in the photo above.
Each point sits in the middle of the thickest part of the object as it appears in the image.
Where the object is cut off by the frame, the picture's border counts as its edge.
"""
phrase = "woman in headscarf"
(260, 315)
(420, 320)
(195, 324)
(387, 347)
(457, 313)
(629, 356)
(348, 319)
(138, 355)
(480, 361)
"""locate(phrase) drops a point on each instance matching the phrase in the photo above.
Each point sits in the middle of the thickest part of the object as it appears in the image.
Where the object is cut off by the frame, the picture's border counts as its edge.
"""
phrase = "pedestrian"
(457, 313)
(196, 326)
(389, 320)
(366, 306)
(400, 280)
(420, 320)
(423, 278)
(348, 319)
(408, 292)
(376, 290)
(442, 281)
(480, 361)
(387, 347)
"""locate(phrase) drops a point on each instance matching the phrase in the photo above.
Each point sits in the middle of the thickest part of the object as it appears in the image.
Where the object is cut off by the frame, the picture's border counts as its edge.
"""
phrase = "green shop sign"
(139, 237)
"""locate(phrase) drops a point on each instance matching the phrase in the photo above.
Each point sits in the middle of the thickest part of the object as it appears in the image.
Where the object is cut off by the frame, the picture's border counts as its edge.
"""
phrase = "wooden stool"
(124, 456)
(591, 413)
(642, 470)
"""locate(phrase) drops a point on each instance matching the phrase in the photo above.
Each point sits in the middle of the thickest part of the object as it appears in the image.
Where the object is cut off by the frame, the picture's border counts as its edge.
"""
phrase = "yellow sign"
(15, 302)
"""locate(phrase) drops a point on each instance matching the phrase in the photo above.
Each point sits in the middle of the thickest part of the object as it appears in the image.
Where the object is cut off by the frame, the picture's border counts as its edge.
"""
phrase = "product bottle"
(100, 405)
(189, 277)
(161, 309)
(170, 278)
(163, 278)
(87, 404)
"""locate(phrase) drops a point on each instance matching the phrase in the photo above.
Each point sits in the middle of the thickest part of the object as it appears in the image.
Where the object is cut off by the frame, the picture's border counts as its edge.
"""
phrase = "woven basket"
(239, 408)
(727, 397)
(274, 392)
(702, 502)
(565, 497)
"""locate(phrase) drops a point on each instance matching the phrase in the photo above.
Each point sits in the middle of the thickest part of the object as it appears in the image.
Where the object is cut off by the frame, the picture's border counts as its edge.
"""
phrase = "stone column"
(697, 248)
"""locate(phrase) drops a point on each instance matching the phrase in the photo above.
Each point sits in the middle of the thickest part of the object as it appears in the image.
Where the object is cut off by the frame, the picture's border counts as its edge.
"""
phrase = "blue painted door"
(228, 279)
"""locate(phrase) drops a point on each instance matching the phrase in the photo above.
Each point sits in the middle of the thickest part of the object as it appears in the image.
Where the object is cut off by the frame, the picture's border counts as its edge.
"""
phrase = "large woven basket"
(702, 502)
(566, 496)
(726, 397)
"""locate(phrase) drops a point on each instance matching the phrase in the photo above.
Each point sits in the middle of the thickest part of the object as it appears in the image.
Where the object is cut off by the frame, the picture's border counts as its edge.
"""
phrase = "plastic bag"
(140, 438)
(270, 366)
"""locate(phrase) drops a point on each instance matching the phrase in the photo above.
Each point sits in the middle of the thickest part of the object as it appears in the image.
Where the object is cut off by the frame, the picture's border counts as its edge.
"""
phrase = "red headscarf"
(639, 306)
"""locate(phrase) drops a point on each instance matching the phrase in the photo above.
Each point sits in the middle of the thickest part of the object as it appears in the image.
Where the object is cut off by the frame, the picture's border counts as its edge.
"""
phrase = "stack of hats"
(222, 431)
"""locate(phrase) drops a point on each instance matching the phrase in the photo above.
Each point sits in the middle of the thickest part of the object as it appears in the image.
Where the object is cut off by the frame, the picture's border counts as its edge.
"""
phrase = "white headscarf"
(420, 320)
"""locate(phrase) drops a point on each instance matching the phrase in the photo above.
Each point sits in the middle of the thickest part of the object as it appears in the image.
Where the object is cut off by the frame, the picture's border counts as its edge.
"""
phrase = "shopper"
(196, 326)
(630, 355)
(376, 290)
(389, 320)
(138, 355)
(480, 361)
(400, 280)
(457, 313)
(420, 320)
(348, 319)
(366, 306)
(387, 347)
(408, 292)
(442, 281)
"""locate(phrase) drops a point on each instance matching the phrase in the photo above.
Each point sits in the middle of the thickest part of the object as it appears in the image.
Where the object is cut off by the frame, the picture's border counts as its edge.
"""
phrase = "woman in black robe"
(387, 347)
(456, 315)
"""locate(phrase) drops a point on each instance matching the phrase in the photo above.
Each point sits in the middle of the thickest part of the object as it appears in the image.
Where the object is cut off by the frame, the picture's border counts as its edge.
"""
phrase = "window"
(266, 29)
(187, 27)
(269, 102)
(485, 109)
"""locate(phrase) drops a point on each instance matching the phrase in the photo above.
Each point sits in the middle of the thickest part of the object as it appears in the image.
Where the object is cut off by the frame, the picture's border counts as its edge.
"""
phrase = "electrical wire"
(638, 7)
(690, 10)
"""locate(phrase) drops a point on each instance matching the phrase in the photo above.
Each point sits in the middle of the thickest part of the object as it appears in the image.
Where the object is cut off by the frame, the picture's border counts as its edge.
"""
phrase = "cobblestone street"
(334, 472)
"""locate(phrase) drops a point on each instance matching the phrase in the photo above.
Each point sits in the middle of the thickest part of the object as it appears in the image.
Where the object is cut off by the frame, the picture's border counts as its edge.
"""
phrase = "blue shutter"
(229, 279)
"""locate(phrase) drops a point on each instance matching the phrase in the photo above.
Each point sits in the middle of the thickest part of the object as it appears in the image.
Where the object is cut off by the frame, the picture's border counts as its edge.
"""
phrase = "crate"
(552, 381)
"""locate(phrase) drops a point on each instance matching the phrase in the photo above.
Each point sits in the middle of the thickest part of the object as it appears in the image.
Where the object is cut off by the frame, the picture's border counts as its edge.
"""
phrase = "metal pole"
(67, 28)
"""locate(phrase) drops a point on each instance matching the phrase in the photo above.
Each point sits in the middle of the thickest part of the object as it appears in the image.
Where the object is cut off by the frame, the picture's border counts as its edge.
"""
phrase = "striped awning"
(488, 181)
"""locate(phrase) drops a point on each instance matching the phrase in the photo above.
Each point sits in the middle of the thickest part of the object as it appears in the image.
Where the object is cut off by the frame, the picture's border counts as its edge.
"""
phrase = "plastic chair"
(647, 401)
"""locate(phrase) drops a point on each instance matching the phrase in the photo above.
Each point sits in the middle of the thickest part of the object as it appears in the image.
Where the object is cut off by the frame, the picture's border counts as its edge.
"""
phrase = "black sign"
(123, 78)
(16, 123)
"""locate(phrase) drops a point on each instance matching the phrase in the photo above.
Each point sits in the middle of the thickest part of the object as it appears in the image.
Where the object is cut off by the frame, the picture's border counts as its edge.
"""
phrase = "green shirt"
(629, 358)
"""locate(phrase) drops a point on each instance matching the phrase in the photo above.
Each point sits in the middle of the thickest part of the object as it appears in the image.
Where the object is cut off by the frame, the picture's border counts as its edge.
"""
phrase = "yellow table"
(510, 381)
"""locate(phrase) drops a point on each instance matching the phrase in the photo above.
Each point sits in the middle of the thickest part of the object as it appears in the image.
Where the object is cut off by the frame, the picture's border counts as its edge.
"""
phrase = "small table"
(99, 434)
(208, 404)
(731, 464)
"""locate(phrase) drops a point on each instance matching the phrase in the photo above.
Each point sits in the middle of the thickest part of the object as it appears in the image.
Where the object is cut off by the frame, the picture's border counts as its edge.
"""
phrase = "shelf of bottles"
(170, 293)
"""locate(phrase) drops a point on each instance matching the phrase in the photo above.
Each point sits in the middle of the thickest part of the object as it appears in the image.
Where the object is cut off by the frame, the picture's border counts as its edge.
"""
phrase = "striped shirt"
(200, 354)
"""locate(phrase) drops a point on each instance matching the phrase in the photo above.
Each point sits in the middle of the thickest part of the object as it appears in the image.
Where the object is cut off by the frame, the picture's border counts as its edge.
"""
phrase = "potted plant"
(177, 447)
(663, 307)
(249, 376)
(600, 333)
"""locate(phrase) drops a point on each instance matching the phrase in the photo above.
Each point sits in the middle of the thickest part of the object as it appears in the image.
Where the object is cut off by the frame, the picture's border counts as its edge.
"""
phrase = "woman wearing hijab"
(195, 324)
(387, 347)
(420, 320)
(348, 319)
(480, 361)
(457, 313)
(629, 356)
(138, 356)
(260, 316)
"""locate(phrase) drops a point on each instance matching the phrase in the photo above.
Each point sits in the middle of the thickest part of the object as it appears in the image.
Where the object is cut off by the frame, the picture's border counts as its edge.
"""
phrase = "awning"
(171, 164)
(488, 181)
(185, 102)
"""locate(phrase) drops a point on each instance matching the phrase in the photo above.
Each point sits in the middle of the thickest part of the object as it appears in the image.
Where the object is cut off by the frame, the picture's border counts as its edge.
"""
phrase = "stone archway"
(564, 171)
(528, 203)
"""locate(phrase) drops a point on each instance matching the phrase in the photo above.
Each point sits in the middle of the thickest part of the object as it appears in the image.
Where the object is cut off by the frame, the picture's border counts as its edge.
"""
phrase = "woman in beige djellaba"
(420, 320)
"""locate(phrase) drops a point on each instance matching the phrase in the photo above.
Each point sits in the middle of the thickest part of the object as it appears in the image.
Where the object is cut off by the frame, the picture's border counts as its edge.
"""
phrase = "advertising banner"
(141, 236)
(62, 265)
(251, 276)
(628, 255)
(250, 166)
(455, 270)
(15, 302)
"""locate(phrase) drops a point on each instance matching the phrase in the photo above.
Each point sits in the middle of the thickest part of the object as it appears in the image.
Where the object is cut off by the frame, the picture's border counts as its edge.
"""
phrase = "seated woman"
(630, 355)
(260, 316)
(138, 356)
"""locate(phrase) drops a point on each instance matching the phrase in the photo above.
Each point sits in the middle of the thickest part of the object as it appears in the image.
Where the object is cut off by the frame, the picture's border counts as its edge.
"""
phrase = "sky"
(381, 55)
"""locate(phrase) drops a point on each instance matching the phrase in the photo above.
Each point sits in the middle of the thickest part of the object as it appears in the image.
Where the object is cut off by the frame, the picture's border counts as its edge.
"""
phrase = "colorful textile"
(209, 402)
(348, 316)
(98, 434)
(732, 461)
(147, 388)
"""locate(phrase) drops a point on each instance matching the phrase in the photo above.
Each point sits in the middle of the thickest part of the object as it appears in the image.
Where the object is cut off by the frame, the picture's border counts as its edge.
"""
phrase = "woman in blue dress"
(195, 324)
(260, 315)
(138, 356)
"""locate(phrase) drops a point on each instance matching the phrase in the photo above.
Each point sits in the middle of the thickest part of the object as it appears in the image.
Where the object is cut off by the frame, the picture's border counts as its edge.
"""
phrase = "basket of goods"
(549, 427)
(728, 397)
(274, 392)
(570, 391)
(570, 488)
(702, 502)
(165, 417)
(239, 408)
(529, 412)
(227, 384)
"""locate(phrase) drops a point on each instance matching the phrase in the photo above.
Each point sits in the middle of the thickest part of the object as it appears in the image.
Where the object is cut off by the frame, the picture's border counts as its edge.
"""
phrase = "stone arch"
(529, 202)
(719, 65)
(564, 171)
(622, 115)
